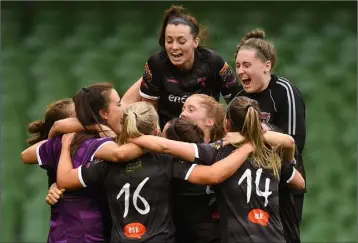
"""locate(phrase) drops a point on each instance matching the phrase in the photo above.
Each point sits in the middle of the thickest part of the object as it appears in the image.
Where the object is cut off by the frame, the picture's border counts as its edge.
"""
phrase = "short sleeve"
(150, 86)
(93, 173)
(181, 170)
(205, 154)
(287, 173)
(228, 82)
(48, 153)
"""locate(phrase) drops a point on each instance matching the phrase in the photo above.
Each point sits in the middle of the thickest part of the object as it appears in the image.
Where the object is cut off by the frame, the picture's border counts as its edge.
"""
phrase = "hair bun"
(36, 126)
(174, 11)
(256, 33)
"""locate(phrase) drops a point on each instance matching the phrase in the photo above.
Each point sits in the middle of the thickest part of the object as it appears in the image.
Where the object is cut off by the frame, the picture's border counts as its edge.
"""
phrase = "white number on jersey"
(248, 177)
(136, 196)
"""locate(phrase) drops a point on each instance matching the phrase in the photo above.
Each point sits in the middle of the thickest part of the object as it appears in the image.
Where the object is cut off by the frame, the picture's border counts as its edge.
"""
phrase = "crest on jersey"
(134, 166)
(217, 145)
(225, 71)
(147, 73)
(265, 117)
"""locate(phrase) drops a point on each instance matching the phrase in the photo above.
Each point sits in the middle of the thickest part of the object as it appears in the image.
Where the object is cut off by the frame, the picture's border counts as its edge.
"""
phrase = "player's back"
(139, 196)
(248, 201)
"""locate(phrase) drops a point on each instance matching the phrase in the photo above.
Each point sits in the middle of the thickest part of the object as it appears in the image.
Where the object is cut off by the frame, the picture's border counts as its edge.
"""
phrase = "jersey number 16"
(136, 196)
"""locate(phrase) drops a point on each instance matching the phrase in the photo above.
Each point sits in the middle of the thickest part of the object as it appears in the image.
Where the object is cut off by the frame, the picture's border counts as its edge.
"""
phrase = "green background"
(49, 50)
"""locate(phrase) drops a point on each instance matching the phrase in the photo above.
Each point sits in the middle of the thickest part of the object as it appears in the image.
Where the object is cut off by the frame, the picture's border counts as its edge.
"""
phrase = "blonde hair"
(244, 116)
(138, 119)
(214, 110)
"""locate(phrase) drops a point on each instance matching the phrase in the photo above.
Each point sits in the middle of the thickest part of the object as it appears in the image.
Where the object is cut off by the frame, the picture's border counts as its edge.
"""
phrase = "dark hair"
(55, 111)
(185, 131)
(243, 114)
(176, 15)
(89, 101)
(264, 49)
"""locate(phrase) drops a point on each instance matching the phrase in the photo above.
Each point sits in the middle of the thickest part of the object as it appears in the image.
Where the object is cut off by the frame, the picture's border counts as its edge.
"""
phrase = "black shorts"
(197, 232)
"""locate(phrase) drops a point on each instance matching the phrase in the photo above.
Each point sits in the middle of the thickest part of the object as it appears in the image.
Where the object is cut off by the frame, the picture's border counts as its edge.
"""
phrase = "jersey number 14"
(248, 177)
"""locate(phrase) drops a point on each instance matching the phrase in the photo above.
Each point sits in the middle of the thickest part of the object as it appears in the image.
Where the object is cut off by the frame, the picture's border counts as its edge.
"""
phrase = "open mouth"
(246, 81)
(177, 55)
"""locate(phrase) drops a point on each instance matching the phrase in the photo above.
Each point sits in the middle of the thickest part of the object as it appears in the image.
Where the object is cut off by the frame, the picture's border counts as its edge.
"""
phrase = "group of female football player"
(168, 162)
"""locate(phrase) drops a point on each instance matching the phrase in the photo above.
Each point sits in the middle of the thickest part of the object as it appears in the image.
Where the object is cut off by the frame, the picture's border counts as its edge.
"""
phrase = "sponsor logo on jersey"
(134, 166)
(259, 216)
(134, 230)
(177, 98)
(265, 117)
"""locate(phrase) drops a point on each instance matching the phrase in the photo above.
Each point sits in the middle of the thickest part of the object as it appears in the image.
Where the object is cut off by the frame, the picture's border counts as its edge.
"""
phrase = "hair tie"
(184, 21)
(247, 108)
(135, 114)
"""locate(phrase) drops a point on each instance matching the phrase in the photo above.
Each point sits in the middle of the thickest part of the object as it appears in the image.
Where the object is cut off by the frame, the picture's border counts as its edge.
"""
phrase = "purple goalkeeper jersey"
(82, 215)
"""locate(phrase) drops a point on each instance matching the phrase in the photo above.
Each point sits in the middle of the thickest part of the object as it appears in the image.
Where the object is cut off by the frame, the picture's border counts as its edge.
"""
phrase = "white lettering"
(177, 99)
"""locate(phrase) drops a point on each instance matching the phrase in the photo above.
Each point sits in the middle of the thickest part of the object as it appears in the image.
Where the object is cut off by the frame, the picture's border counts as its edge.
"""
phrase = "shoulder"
(158, 59)
(283, 85)
(211, 56)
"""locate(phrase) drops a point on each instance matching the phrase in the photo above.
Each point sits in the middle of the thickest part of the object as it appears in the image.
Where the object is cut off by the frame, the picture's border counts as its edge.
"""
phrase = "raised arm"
(132, 95)
(184, 151)
(284, 141)
(67, 125)
(111, 151)
(221, 170)
(70, 125)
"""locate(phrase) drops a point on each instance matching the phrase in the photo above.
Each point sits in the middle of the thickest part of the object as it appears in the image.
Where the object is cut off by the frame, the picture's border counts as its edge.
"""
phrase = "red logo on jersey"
(265, 117)
(258, 216)
(134, 230)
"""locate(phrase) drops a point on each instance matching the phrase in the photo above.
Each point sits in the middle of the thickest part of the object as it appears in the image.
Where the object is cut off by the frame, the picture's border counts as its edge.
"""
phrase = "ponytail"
(139, 118)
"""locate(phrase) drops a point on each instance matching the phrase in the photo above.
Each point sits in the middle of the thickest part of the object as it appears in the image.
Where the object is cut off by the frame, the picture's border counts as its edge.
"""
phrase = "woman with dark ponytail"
(282, 105)
(58, 110)
(182, 68)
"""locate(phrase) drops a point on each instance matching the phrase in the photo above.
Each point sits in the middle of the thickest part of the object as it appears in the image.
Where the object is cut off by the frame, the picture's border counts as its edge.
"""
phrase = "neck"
(207, 137)
(188, 65)
(266, 82)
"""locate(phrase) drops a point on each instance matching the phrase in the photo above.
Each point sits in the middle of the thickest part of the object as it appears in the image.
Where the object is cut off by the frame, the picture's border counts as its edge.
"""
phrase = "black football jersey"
(248, 201)
(139, 195)
(171, 86)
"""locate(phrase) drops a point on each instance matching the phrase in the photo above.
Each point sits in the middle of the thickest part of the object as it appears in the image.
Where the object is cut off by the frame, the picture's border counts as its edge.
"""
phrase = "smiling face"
(180, 45)
(193, 111)
(252, 70)
(114, 111)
